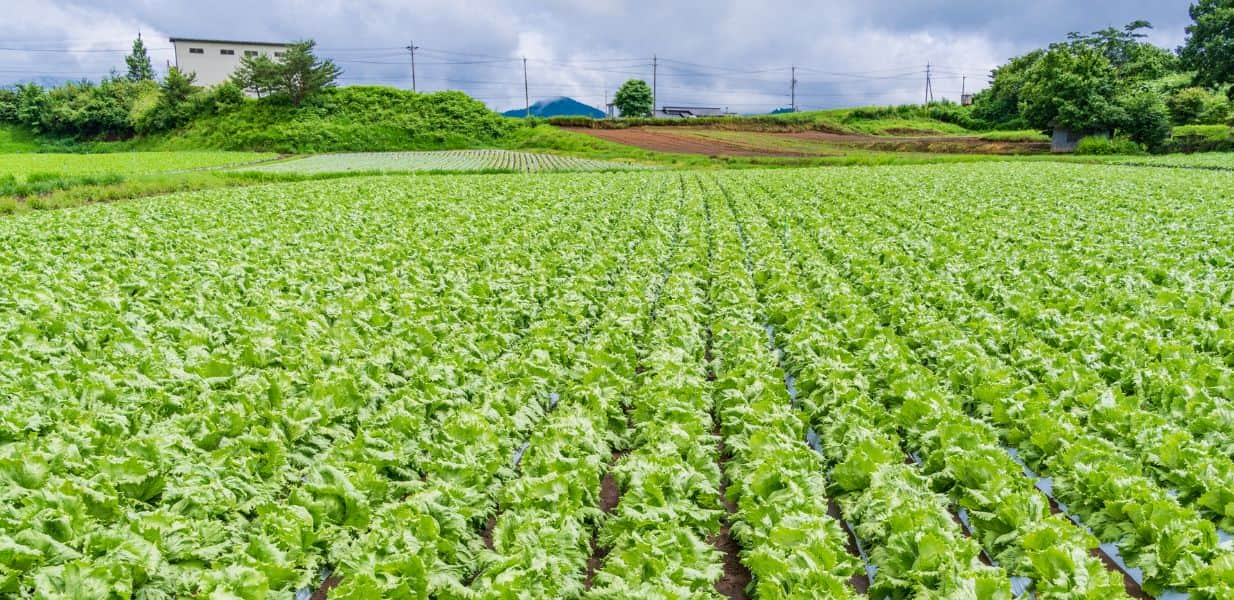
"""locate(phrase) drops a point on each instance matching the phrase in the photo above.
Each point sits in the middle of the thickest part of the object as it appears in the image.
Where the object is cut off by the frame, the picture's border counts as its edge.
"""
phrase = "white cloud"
(739, 51)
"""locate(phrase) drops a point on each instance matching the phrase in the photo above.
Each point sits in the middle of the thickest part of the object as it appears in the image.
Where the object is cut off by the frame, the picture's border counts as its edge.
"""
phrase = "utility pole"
(794, 89)
(412, 47)
(526, 95)
(655, 66)
(963, 87)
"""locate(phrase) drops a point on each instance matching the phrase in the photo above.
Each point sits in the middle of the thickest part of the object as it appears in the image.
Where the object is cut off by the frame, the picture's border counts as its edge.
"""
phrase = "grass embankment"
(349, 119)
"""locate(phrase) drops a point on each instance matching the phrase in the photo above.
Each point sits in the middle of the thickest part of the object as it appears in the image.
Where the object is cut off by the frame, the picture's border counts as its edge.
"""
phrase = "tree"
(173, 108)
(1147, 119)
(1209, 49)
(302, 74)
(8, 105)
(138, 62)
(1000, 103)
(1132, 57)
(298, 74)
(1196, 105)
(633, 99)
(1074, 88)
(258, 74)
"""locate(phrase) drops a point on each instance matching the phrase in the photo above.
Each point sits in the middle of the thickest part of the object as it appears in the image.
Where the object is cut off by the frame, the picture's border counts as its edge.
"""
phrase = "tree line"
(134, 102)
(1115, 81)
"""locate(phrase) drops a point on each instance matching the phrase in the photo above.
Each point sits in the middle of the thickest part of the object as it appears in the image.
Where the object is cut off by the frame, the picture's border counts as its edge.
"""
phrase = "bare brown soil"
(736, 577)
(678, 140)
(859, 582)
(1133, 589)
(916, 142)
(660, 139)
(487, 534)
(327, 585)
(610, 495)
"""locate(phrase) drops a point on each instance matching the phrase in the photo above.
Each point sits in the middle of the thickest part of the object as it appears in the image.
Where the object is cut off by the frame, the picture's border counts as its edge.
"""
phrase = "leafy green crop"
(23, 165)
(595, 385)
(449, 160)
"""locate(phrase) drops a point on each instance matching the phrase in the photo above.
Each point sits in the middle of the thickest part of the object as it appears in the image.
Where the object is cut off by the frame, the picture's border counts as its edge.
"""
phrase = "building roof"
(236, 42)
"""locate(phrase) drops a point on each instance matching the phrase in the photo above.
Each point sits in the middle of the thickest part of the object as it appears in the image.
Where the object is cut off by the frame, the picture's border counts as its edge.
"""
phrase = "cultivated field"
(1222, 161)
(450, 160)
(803, 144)
(946, 381)
(22, 165)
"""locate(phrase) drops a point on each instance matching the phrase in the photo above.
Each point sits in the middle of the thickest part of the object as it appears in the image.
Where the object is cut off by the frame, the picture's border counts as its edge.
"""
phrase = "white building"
(215, 60)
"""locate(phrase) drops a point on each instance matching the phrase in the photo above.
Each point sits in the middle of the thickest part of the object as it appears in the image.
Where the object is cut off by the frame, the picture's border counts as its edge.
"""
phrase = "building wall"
(212, 65)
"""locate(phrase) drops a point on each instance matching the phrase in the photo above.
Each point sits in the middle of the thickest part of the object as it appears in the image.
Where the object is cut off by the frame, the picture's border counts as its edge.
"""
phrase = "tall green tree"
(1134, 58)
(1146, 119)
(634, 99)
(138, 62)
(1074, 88)
(302, 74)
(173, 108)
(1000, 103)
(298, 75)
(1209, 49)
(257, 74)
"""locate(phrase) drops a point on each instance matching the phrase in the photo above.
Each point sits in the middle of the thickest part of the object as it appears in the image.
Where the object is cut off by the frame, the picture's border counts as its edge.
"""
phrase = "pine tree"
(139, 62)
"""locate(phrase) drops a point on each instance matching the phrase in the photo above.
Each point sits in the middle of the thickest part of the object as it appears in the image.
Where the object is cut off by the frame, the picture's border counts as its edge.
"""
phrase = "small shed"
(688, 112)
(1066, 140)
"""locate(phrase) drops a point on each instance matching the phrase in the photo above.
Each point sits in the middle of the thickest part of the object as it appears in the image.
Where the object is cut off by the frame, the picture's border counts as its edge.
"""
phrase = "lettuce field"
(22, 165)
(448, 160)
(988, 380)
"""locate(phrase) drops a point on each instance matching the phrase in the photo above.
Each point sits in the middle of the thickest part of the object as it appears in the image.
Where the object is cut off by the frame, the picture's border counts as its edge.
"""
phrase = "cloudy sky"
(730, 53)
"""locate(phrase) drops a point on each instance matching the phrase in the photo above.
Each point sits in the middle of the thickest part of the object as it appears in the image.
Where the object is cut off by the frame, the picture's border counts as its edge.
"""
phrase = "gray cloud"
(733, 53)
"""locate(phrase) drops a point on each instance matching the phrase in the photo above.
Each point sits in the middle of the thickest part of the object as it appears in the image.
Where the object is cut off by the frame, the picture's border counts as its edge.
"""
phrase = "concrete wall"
(212, 66)
(1066, 140)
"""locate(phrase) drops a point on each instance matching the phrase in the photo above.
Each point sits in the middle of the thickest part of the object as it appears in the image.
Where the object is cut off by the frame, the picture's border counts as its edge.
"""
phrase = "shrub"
(1202, 138)
(1102, 146)
(1197, 106)
(8, 106)
(1147, 120)
(1023, 135)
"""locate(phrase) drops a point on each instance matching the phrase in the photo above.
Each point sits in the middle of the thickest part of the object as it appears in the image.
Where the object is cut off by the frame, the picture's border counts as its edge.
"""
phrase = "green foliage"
(17, 139)
(1209, 49)
(350, 119)
(1104, 146)
(634, 99)
(297, 76)
(1216, 133)
(173, 108)
(1073, 88)
(1132, 58)
(138, 62)
(1202, 138)
(257, 74)
(1198, 106)
(1147, 119)
(999, 104)
(1023, 135)
(456, 161)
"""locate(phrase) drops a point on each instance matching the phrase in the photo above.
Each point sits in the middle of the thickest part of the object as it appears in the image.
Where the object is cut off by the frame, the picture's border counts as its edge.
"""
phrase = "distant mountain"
(557, 107)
